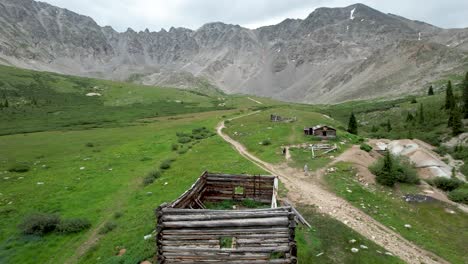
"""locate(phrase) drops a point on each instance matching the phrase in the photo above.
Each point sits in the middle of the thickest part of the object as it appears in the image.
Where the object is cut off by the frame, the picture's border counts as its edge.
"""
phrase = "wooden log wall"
(194, 236)
(222, 187)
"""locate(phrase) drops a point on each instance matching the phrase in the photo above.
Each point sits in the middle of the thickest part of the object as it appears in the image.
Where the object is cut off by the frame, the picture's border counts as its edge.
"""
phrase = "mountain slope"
(335, 54)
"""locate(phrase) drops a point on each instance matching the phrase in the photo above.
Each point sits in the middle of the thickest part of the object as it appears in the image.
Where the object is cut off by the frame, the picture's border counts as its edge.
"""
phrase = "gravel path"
(309, 190)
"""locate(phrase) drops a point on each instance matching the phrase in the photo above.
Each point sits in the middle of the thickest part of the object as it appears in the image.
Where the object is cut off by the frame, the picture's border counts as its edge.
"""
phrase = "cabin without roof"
(321, 131)
(187, 232)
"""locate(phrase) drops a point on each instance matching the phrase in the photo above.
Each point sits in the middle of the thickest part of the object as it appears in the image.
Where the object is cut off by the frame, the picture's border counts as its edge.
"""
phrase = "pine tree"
(421, 114)
(409, 117)
(385, 176)
(352, 125)
(457, 123)
(431, 91)
(5, 104)
(449, 98)
(389, 126)
(465, 96)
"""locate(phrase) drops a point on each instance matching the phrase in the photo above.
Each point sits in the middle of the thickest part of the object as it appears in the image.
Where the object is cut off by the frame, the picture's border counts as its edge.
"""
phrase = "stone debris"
(147, 237)
(363, 247)
(165, 183)
(319, 254)
(408, 226)
(121, 252)
(388, 253)
(354, 250)
(82, 168)
(40, 183)
(352, 241)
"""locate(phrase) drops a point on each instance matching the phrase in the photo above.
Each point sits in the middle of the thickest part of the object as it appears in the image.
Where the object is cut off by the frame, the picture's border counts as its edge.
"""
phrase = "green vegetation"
(446, 184)
(330, 241)
(42, 224)
(231, 204)
(352, 125)
(365, 147)
(433, 227)
(390, 170)
(459, 195)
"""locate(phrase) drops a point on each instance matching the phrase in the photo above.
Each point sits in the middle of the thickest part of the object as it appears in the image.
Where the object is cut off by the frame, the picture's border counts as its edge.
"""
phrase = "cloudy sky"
(157, 14)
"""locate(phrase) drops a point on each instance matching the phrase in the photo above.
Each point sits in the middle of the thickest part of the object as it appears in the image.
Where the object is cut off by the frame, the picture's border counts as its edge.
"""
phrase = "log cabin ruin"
(321, 131)
(277, 118)
(187, 232)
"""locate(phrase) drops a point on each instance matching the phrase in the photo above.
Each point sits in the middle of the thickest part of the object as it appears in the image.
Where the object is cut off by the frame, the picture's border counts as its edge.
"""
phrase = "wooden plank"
(227, 215)
(273, 221)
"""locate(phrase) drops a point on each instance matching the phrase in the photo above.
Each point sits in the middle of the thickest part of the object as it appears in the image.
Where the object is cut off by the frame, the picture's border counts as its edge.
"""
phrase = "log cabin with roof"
(321, 131)
(187, 232)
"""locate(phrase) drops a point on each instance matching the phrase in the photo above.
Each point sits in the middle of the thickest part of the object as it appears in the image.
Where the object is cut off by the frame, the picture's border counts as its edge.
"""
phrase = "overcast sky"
(157, 14)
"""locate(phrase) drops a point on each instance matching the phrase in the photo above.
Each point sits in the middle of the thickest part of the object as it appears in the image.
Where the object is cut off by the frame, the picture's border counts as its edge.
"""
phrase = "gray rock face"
(333, 55)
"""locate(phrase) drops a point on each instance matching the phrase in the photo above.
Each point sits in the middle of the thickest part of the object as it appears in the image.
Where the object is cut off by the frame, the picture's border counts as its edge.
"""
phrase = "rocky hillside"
(335, 54)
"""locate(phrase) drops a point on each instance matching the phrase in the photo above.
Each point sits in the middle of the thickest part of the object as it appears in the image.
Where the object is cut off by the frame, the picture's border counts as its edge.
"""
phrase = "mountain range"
(333, 55)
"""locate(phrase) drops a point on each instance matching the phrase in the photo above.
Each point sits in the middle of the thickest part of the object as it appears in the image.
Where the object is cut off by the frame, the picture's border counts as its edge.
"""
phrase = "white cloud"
(157, 14)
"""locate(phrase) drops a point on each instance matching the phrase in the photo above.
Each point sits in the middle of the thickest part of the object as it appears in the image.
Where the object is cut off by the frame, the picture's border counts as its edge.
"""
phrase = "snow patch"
(419, 36)
(351, 15)
(347, 28)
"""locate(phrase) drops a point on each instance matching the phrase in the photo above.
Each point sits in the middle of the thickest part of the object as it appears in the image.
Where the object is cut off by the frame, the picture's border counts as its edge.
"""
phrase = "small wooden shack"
(278, 118)
(321, 131)
(188, 233)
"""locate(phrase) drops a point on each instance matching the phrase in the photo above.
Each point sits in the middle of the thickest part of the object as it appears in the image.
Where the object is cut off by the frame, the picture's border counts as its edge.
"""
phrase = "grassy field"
(89, 157)
(432, 226)
(252, 130)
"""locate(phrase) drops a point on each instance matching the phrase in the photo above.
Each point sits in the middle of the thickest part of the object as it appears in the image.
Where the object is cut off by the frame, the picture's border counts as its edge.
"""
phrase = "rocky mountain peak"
(334, 54)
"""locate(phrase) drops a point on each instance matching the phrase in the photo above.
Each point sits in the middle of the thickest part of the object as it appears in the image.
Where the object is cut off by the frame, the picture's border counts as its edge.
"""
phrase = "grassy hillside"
(91, 157)
(40, 101)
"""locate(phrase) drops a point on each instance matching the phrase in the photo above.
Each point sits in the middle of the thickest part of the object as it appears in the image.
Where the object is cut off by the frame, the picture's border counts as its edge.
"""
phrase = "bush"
(39, 224)
(366, 147)
(109, 226)
(154, 174)
(117, 215)
(175, 147)
(165, 164)
(182, 151)
(459, 195)
(446, 184)
(19, 167)
(89, 145)
(184, 140)
(73, 225)
(390, 170)
(266, 142)
(148, 180)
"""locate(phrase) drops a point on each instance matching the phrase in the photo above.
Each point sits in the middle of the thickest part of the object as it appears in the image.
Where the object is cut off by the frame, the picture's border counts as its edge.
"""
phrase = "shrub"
(109, 226)
(184, 140)
(459, 195)
(175, 147)
(74, 225)
(154, 174)
(390, 170)
(145, 159)
(446, 184)
(182, 151)
(148, 180)
(366, 147)
(19, 167)
(39, 224)
(266, 142)
(89, 145)
(165, 164)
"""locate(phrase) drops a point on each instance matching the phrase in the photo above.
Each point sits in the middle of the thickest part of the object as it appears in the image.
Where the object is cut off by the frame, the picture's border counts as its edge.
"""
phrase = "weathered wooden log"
(273, 221)
(239, 249)
(167, 210)
(246, 230)
(226, 215)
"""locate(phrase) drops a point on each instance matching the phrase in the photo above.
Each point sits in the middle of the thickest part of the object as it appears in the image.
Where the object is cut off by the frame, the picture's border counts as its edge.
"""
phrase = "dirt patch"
(361, 160)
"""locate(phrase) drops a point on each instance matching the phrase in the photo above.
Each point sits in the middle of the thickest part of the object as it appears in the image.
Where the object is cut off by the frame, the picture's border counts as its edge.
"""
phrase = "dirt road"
(308, 190)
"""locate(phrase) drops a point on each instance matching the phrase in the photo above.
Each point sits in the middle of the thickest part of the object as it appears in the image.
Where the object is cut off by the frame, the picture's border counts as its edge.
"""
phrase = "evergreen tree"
(389, 126)
(413, 101)
(421, 114)
(374, 129)
(449, 98)
(457, 123)
(385, 176)
(5, 104)
(409, 117)
(465, 96)
(431, 91)
(352, 125)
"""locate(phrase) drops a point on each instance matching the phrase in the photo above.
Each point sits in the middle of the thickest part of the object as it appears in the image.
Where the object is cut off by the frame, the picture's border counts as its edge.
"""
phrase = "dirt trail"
(308, 190)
